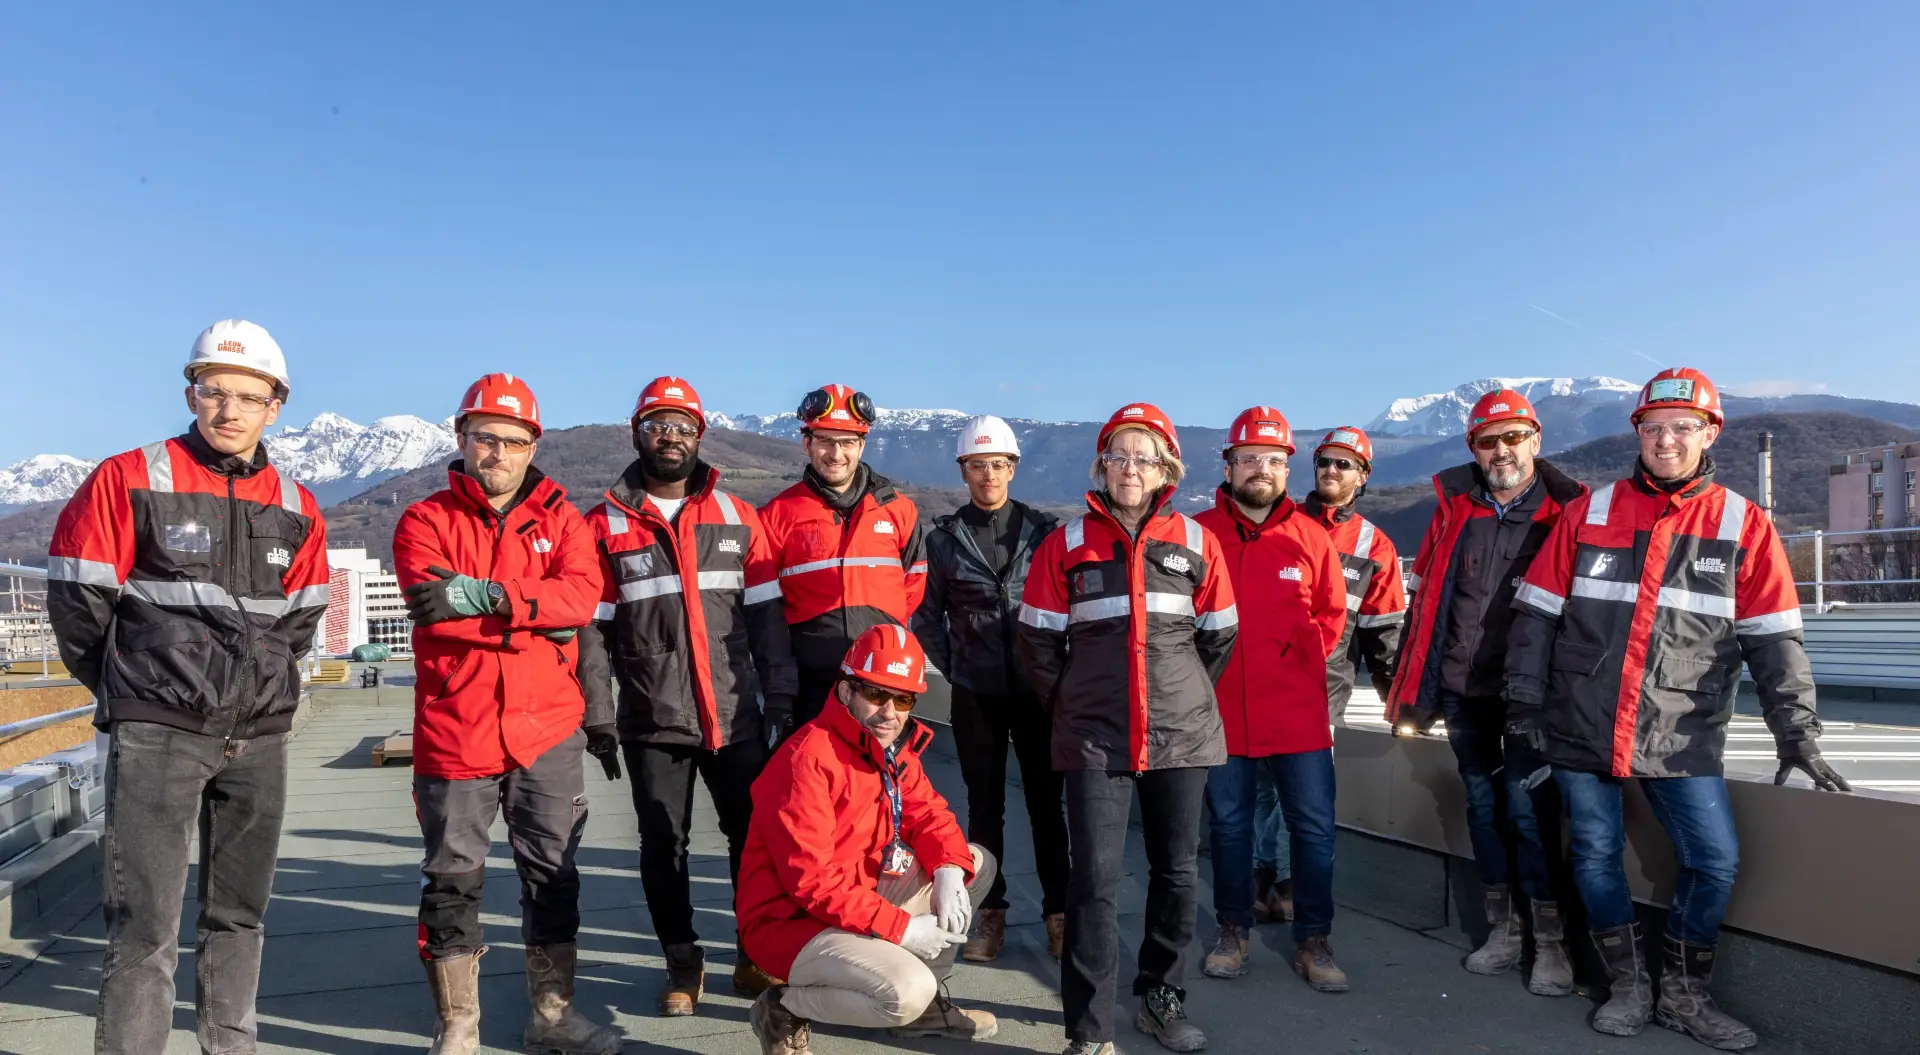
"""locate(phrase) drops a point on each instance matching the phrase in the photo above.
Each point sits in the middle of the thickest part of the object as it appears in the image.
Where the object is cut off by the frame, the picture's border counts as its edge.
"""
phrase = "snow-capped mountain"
(42, 478)
(787, 426)
(1445, 413)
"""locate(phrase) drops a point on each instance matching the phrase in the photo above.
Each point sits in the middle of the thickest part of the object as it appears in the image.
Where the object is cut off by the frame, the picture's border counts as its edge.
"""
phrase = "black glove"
(605, 746)
(777, 712)
(448, 595)
(1804, 755)
(1523, 727)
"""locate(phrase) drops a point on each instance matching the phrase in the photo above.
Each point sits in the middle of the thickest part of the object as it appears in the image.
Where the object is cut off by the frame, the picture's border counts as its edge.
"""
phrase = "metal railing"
(26, 623)
(1875, 566)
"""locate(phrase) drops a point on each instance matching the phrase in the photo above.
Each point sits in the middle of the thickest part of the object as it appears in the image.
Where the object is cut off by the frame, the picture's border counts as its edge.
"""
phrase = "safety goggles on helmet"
(820, 402)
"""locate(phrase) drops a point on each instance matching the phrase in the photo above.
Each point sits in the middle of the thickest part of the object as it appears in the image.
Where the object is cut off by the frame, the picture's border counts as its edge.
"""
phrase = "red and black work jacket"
(490, 694)
(822, 819)
(1376, 601)
(1291, 598)
(847, 562)
(1634, 622)
(184, 585)
(690, 622)
(1415, 692)
(1123, 636)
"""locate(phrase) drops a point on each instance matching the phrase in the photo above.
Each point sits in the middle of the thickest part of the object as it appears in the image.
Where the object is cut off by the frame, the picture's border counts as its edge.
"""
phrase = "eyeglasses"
(1345, 465)
(246, 401)
(659, 429)
(1140, 462)
(1680, 430)
(1261, 461)
(1511, 439)
(841, 443)
(487, 441)
(874, 694)
(991, 466)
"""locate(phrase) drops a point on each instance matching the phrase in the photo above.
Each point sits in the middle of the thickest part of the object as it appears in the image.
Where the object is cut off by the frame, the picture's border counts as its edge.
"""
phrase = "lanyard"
(893, 790)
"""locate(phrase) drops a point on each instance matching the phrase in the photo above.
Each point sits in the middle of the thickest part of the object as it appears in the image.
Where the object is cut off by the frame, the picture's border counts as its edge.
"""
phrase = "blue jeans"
(1305, 783)
(1510, 824)
(1270, 828)
(1698, 818)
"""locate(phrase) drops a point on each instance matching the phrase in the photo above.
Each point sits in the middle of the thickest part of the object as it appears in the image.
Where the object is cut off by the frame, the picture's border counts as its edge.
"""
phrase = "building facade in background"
(363, 606)
(1873, 488)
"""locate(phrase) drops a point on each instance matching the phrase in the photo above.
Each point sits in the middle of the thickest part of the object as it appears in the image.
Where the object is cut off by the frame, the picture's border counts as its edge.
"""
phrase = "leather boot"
(686, 980)
(1280, 902)
(1552, 969)
(1501, 950)
(455, 981)
(944, 1018)
(1314, 961)
(1686, 970)
(1163, 1017)
(553, 1026)
(1056, 934)
(779, 1031)
(1264, 877)
(993, 934)
(1629, 987)
(748, 979)
(1228, 959)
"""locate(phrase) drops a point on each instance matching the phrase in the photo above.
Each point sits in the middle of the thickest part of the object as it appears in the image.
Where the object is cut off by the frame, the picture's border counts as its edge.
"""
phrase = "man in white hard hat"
(186, 579)
(977, 563)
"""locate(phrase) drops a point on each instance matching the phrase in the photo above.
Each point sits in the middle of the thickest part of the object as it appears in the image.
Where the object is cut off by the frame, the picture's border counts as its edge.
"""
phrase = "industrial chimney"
(1766, 473)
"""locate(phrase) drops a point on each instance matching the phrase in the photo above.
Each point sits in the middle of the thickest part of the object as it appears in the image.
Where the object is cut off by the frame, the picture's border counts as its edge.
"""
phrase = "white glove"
(950, 902)
(924, 937)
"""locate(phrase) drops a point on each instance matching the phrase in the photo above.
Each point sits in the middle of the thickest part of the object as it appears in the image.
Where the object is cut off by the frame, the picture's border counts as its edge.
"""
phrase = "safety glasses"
(874, 694)
(1512, 439)
(1345, 465)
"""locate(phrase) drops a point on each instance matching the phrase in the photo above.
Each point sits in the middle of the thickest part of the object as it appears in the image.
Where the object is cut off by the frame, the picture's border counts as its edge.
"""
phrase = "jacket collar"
(865, 482)
(630, 491)
(1468, 480)
(839, 721)
(1223, 501)
(1677, 490)
(1315, 509)
(221, 464)
(536, 488)
(1097, 503)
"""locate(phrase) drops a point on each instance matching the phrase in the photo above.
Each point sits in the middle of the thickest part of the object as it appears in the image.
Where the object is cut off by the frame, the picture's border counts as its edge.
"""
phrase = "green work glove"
(448, 596)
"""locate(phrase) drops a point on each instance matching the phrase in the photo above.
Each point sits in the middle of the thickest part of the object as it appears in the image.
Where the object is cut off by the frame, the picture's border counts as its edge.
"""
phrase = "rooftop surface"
(341, 975)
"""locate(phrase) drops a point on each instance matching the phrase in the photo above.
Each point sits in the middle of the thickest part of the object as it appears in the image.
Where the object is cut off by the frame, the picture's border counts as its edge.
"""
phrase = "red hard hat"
(503, 395)
(836, 408)
(669, 393)
(1259, 427)
(1351, 437)
(889, 656)
(1501, 404)
(1680, 386)
(1140, 415)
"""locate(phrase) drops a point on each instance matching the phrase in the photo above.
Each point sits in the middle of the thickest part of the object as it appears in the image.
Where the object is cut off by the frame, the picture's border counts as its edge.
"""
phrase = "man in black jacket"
(977, 570)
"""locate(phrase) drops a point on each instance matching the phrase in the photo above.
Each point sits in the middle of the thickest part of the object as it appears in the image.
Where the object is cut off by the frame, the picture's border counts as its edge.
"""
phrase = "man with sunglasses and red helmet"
(499, 573)
(857, 885)
(1376, 599)
(848, 544)
(1494, 515)
(691, 626)
(1634, 623)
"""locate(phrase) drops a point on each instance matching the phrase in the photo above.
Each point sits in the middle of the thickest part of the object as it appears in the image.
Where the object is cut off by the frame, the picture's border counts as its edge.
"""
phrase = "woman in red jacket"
(1127, 620)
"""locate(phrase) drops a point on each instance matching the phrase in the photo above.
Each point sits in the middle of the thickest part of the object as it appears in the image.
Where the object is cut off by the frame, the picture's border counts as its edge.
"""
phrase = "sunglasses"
(1345, 465)
(874, 694)
(1511, 439)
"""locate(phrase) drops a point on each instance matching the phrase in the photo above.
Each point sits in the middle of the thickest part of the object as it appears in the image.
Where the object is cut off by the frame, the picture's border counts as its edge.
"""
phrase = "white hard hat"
(985, 434)
(241, 344)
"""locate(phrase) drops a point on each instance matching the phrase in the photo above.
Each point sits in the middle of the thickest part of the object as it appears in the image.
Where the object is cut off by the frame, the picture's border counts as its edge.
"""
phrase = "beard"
(667, 472)
(1255, 494)
(1334, 493)
(1505, 477)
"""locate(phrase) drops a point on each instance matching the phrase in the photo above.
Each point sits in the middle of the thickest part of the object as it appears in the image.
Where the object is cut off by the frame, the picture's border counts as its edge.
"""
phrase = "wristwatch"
(495, 594)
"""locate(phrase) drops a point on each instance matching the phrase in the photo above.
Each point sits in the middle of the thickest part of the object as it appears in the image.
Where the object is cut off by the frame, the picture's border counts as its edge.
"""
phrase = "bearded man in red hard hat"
(1494, 515)
(857, 885)
(1634, 623)
(499, 573)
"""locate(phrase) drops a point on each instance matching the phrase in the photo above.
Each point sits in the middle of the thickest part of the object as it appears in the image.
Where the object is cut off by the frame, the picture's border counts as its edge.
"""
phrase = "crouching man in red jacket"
(856, 885)
(499, 573)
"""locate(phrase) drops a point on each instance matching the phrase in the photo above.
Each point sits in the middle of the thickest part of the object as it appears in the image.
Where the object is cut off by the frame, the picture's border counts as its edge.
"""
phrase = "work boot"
(993, 934)
(1552, 969)
(1056, 934)
(455, 981)
(1089, 1047)
(686, 980)
(943, 1019)
(1314, 962)
(553, 1026)
(1629, 988)
(1502, 947)
(1264, 877)
(1162, 1017)
(748, 979)
(779, 1031)
(1686, 970)
(1280, 902)
(1230, 952)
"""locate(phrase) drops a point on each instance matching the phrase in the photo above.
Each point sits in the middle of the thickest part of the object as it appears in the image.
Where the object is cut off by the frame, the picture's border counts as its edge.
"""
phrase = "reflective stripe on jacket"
(1376, 601)
(184, 585)
(1636, 618)
(1122, 639)
(490, 694)
(821, 820)
(693, 653)
(1291, 598)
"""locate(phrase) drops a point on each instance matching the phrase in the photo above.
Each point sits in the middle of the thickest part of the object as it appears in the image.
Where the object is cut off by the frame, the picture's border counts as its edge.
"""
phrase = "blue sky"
(1037, 210)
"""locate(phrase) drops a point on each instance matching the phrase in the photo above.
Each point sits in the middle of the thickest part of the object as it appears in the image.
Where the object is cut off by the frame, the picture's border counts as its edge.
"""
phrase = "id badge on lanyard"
(896, 860)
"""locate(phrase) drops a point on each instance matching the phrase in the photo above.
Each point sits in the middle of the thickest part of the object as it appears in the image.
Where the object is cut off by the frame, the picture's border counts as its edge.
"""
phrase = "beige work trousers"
(859, 980)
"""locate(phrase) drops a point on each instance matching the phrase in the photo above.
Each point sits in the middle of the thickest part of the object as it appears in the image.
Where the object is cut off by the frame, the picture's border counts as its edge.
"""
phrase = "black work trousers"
(546, 808)
(816, 685)
(1097, 807)
(982, 726)
(162, 785)
(662, 776)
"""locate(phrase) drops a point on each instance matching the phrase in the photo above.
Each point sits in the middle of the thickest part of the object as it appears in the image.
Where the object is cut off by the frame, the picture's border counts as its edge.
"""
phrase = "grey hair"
(1176, 469)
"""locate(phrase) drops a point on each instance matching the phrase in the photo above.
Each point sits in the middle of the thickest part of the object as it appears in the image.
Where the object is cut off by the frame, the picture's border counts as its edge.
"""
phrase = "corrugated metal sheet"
(1867, 647)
